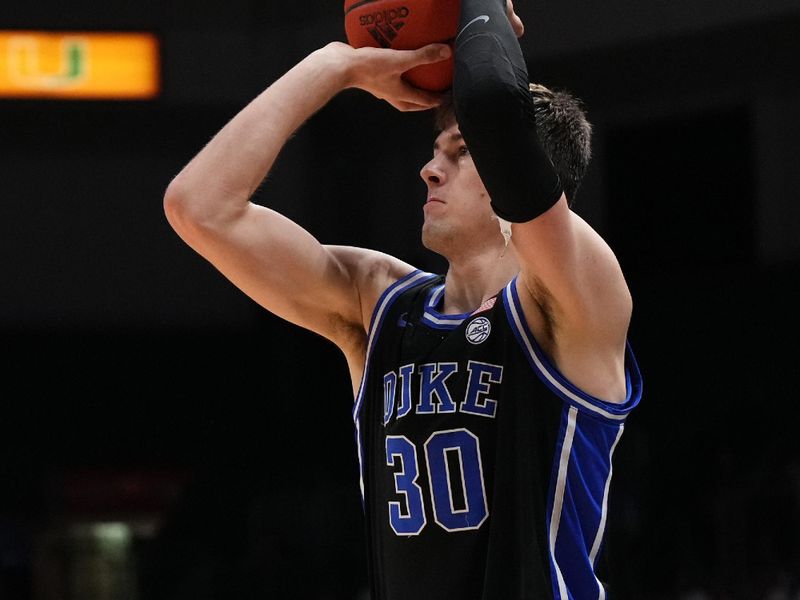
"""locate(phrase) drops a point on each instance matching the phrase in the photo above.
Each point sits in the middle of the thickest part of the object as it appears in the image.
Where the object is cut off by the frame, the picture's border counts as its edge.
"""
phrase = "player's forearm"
(226, 172)
(495, 112)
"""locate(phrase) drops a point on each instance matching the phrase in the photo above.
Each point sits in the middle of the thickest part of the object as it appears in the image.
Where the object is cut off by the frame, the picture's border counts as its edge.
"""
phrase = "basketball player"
(488, 400)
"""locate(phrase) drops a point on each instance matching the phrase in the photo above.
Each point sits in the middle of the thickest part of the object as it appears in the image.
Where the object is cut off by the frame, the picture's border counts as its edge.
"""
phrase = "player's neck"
(469, 283)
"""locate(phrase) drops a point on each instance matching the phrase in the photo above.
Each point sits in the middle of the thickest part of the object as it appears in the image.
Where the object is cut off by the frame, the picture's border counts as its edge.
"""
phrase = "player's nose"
(432, 172)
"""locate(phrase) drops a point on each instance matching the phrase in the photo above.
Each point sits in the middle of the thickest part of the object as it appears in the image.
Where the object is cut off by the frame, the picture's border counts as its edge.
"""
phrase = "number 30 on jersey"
(440, 453)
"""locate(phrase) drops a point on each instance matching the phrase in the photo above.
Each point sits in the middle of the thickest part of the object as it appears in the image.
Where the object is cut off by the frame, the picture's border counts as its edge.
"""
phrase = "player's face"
(457, 209)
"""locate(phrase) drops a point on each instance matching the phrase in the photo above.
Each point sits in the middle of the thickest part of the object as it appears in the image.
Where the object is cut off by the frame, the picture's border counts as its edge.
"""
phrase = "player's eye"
(463, 151)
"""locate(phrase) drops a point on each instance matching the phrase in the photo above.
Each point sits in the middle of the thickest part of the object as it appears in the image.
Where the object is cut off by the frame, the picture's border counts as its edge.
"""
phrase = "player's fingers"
(432, 53)
(404, 94)
(407, 97)
(414, 95)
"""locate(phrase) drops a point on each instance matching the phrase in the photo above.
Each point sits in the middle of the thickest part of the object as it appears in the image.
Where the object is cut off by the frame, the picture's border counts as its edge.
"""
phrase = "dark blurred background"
(162, 437)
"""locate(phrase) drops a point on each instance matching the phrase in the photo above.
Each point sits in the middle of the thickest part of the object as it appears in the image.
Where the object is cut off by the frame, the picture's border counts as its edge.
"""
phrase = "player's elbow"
(176, 205)
(201, 214)
(184, 209)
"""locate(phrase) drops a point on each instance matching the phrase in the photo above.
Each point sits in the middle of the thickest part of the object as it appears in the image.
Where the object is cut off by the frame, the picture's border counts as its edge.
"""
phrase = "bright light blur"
(79, 65)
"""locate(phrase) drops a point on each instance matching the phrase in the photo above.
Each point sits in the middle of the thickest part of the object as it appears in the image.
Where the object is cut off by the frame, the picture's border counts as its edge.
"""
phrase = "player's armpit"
(373, 272)
(578, 301)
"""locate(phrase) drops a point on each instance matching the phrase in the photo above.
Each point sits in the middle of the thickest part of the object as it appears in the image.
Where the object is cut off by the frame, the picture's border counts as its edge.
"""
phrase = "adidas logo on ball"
(406, 25)
(384, 25)
(385, 16)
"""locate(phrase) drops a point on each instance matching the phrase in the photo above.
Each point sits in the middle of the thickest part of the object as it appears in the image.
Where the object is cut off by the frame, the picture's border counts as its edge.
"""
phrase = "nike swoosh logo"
(484, 18)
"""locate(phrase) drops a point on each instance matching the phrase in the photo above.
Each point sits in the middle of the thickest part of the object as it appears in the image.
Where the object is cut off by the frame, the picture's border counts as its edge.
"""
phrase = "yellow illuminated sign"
(39, 64)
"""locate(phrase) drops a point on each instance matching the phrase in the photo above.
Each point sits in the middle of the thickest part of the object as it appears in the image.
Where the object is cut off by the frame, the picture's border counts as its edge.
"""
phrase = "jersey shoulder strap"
(413, 280)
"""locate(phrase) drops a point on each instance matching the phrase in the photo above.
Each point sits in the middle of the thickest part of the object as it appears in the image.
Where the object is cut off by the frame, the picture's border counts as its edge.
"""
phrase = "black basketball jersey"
(484, 472)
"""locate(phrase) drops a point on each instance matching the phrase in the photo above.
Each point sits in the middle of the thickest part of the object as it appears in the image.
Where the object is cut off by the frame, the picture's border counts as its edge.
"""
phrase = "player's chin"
(436, 236)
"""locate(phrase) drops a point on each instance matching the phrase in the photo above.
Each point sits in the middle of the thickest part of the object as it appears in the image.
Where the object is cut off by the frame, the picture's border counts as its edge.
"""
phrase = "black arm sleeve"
(495, 113)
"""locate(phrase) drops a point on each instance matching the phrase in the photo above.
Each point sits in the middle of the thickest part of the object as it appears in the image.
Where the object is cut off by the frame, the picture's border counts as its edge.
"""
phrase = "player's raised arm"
(270, 258)
(577, 301)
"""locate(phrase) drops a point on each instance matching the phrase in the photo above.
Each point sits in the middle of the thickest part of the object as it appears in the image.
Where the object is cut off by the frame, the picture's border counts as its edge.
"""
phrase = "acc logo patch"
(478, 330)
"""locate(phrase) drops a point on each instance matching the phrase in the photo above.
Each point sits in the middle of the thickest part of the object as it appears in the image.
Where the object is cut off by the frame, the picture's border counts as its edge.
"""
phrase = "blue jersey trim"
(435, 319)
(578, 502)
(387, 298)
(559, 384)
(581, 476)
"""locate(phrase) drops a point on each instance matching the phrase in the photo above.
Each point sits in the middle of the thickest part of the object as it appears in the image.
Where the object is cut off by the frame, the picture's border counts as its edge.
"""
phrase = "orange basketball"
(406, 25)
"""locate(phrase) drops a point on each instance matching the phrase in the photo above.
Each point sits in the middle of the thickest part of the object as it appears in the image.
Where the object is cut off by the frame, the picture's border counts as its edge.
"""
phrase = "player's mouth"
(434, 199)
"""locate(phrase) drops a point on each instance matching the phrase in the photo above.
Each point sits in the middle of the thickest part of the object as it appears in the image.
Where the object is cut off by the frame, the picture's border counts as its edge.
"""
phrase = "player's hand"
(379, 70)
(516, 22)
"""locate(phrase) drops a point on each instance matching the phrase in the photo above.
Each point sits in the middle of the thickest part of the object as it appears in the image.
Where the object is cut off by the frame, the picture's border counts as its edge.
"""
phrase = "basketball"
(406, 25)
